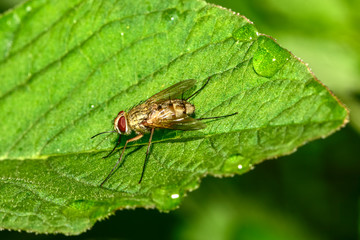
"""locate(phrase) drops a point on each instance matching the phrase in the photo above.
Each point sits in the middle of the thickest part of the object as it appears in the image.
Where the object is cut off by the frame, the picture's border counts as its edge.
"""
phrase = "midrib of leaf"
(183, 139)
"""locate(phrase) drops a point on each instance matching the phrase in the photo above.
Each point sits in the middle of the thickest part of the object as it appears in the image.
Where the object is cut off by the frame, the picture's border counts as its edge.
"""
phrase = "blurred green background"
(311, 194)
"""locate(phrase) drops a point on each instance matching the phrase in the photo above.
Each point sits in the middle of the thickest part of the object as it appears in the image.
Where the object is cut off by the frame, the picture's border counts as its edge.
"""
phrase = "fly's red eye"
(122, 124)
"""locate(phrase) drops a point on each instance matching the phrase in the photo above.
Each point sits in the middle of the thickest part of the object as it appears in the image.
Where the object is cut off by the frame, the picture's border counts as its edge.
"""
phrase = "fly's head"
(121, 124)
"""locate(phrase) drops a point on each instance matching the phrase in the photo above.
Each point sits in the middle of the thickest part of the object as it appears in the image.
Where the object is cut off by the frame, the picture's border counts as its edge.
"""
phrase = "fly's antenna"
(195, 93)
(229, 115)
(103, 138)
(102, 133)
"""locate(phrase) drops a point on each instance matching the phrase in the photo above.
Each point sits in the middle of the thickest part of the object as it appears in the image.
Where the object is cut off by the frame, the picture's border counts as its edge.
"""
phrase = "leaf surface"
(68, 68)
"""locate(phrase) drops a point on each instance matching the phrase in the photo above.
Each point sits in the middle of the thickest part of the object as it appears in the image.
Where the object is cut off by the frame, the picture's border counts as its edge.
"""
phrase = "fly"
(162, 110)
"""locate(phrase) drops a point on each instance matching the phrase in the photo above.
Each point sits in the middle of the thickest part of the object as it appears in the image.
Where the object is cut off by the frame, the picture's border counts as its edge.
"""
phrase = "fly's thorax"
(121, 124)
(137, 116)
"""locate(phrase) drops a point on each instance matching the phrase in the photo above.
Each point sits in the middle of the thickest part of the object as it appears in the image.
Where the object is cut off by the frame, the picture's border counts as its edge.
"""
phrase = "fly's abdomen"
(172, 109)
(182, 108)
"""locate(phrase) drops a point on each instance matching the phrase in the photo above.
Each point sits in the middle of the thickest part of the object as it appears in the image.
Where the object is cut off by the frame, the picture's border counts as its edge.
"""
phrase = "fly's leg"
(195, 93)
(116, 145)
(122, 153)
(147, 154)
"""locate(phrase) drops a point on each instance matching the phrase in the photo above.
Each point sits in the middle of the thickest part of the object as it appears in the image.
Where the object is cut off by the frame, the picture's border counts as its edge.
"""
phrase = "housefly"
(162, 110)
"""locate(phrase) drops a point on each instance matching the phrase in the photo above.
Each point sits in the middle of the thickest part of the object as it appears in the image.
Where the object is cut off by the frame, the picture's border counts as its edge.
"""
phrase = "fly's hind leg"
(208, 118)
(195, 93)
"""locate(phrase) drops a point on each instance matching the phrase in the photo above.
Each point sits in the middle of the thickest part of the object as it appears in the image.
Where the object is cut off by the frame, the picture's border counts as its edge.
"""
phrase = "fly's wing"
(185, 124)
(172, 92)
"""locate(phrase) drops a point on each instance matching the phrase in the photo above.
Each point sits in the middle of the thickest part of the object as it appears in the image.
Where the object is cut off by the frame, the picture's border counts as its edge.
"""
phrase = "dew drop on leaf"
(175, 195)
(82, 204)
(236, 164)
(269, 57)
(166, 198)
(170, 14)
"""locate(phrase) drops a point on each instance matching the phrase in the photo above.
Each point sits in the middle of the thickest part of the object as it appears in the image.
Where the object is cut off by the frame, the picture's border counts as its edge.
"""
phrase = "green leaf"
(68, 68)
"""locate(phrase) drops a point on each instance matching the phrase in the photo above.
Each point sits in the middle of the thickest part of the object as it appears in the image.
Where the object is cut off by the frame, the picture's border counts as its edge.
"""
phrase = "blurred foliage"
(6, 4)
(312, 194)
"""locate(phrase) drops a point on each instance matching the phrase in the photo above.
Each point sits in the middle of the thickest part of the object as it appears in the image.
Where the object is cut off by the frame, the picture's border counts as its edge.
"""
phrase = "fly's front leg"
(116, 145)
(130, 140)
(122, 153)
(147, 154)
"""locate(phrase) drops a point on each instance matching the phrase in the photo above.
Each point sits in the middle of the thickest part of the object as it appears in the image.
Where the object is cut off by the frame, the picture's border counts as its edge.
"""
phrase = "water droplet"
(236, 164)
(246, 33)
(94, 207)
(166, 197)
(269, 58)
(82, 204)
(92, 106)
(28, 8)
(122, 34)
(171, 14)
(175, 195)
(74, 21)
